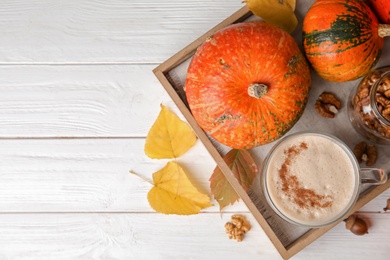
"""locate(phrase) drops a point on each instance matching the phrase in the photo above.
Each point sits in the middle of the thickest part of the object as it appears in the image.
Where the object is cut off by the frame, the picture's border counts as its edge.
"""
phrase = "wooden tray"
(288, 239)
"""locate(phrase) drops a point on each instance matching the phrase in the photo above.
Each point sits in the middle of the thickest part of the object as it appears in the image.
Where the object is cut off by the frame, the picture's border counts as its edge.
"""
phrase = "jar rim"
(374, 103)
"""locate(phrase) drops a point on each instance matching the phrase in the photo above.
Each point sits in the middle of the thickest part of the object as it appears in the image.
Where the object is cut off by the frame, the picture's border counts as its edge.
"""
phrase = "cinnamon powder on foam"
(293, 189)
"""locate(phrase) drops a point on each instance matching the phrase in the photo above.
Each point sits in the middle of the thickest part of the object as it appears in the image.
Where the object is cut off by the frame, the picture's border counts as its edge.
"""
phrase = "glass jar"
(369, 106)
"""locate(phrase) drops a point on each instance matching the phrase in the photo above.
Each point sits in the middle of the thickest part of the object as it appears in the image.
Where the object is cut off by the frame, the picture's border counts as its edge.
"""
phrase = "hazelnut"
(356, 225)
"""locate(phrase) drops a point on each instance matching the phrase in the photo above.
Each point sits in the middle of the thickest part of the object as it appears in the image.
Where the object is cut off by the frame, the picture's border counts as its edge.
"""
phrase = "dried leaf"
(291, 3)
(244, 169)
(277, 12)
(173, 192)
(169, 136)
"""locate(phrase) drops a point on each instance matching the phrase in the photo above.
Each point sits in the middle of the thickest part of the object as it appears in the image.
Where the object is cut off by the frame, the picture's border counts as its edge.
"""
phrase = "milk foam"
(321, 166)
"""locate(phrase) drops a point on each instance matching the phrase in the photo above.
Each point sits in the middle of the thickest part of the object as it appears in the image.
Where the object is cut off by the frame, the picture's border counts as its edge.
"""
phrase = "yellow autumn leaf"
(173, 192)
(169, 136)
(277, 12)
(291, 3)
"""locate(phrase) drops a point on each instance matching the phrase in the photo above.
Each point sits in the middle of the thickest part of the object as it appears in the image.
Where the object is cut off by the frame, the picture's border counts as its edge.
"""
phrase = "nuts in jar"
(369, 106)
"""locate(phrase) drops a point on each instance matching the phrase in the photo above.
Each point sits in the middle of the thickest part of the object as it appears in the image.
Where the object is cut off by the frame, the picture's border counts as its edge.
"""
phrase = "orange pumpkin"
(382, 9)
(248, 84)
(342, 39)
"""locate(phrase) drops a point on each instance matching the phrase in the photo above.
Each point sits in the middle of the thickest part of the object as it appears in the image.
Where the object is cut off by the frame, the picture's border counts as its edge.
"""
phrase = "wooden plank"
(239, 16)
(83, 175)
(157, 236)
(339, 243)
(98, 101)
(74, 31)
(79, 175)
(124, 236)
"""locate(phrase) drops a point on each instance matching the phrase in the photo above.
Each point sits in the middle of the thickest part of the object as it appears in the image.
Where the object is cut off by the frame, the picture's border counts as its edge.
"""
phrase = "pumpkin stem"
(257, 90)
(383, 30)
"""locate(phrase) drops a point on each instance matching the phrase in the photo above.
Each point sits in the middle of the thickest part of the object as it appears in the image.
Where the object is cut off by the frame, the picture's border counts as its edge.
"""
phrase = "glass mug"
(313, 179)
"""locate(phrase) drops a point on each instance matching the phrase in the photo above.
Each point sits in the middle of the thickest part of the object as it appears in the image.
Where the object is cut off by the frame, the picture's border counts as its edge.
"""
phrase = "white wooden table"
(77, 98)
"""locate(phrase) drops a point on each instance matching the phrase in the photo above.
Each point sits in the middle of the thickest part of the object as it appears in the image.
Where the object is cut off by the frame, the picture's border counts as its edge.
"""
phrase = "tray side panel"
(221, 163)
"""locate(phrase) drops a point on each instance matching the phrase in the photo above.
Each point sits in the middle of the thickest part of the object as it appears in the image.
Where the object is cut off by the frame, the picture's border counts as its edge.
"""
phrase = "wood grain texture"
(340, 243)
(74, 31)
(124, 236)
(77, 98)
(155, 236)
(88, 175)
(83, 101)
(92, 175)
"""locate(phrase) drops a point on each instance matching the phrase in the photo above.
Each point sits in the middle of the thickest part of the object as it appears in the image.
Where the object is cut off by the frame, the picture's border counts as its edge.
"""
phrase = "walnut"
(237, 228)
(359, 104)
(363, 107)
(371, 155)
(386, 112)
(383, 100)
(363, 92)
(383, 104)
(374, 77)
(359, 150)
(387, 93)
(364, 152)
(369, 121)
(327, 105)
(384, 85)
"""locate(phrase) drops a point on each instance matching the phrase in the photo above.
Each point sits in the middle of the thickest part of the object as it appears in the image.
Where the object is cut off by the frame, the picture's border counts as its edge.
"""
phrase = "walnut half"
(237, 228)
(327, 105)
(364, 152)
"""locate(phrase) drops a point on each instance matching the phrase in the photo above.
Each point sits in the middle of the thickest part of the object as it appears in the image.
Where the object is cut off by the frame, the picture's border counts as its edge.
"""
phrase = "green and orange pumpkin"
(248, 84)
(342, 39)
